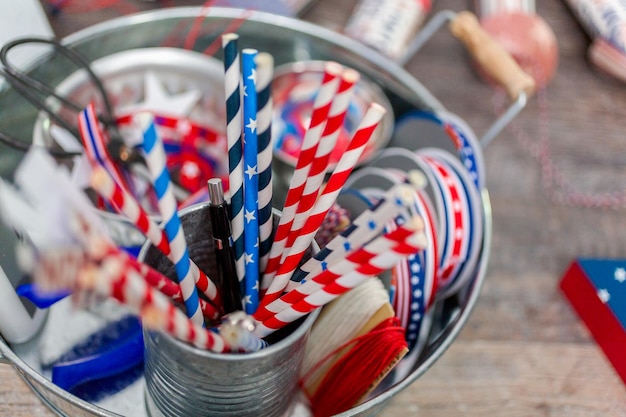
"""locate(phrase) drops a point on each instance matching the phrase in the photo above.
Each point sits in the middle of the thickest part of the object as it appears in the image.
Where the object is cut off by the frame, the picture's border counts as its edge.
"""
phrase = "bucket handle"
(488, 53)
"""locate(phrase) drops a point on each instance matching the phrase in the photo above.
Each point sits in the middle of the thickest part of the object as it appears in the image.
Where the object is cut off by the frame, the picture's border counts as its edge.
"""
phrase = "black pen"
(222, 240)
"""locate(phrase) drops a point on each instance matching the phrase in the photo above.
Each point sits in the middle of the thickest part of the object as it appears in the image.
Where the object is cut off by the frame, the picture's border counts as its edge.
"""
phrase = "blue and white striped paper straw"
(265, 71)
(154, 155)
(250, 181)
(232, 79)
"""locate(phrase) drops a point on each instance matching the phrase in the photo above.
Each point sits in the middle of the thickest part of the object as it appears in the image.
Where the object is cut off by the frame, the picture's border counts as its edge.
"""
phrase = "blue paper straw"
(154, 155)
(250, 181)
(265, 71)
(232, 79)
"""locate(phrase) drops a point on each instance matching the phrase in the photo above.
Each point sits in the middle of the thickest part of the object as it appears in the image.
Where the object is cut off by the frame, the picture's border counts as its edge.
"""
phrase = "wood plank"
(473, 378)
(486, 378)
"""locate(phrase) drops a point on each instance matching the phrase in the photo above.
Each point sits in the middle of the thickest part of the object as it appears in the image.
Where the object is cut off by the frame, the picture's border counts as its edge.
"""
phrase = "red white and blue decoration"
(596, 289)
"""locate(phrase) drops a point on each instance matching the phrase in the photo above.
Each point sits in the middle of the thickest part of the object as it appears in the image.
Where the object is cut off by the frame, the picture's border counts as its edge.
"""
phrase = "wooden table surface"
(523, 352)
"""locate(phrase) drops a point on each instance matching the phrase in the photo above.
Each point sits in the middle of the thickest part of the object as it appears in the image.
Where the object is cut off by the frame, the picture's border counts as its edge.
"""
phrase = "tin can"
(183, 381)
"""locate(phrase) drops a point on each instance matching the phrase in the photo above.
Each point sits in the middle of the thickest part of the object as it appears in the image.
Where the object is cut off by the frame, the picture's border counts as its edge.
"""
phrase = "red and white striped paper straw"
(168, 287)
(124, 203)
(395, 202)
(344, 283)
(112, 279)
(360, 256)
(315, 177)
(316, 216)
(97, 248)
(321, 107)
(319, 166)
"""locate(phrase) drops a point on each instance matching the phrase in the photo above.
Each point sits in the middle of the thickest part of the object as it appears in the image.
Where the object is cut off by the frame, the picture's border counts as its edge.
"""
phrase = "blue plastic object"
(40, 298)
(112, 351)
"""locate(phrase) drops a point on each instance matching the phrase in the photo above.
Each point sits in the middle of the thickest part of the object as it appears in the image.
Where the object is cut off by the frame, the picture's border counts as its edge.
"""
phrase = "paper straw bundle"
(310, 197)
(315, 175)
(371, 260)
(365, 227)
(118, 197)
(84, 259)
(249, 159)
(321, 106)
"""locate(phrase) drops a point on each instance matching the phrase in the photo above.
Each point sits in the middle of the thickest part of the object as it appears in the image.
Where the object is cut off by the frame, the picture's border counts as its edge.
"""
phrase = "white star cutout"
(157, 100)
(248, 258)
(249, 216)
(604, 295)
(620, 274)
(256, 286)
(252, 125)
(251, 171)
(247, 300)
(253, 76)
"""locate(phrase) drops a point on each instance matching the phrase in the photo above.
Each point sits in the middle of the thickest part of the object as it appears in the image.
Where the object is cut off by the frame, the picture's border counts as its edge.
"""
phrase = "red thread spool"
(358, 371)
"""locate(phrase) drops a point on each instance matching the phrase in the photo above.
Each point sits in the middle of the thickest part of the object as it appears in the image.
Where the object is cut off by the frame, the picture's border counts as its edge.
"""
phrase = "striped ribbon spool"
(331, 190)
(474, 223)
(360, 256)
(315, 178)
(423, 206)
(250, 182)
(265, 71)
(127, 205)
(155, 161)
(234, 132)
(344, 283)
(95, 144)
(457, 212)
(409, 303)
(321, 107)
(365, 227)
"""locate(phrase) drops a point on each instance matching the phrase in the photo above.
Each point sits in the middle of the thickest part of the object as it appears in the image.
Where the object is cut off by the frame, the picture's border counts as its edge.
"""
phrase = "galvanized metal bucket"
(288, 40)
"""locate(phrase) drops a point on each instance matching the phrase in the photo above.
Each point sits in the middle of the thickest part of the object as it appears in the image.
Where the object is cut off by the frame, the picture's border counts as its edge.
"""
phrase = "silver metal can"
(183, 381)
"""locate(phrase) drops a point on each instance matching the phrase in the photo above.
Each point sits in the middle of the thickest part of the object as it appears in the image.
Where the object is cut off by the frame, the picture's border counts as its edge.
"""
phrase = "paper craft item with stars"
(596, 288)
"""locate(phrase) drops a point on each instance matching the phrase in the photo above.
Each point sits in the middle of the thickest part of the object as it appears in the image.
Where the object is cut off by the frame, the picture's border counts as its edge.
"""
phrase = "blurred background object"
(524, 34)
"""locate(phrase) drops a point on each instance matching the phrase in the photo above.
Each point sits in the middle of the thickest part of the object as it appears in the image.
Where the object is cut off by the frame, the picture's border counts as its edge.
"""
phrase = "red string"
(556, 186)
(194, 32)
(232, 27)
(354, 374)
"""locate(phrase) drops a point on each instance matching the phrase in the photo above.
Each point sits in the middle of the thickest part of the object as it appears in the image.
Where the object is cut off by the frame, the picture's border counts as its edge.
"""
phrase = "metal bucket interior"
(287, 40)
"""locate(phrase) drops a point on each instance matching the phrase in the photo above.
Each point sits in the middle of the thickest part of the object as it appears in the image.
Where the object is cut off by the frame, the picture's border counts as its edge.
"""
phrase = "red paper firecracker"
(596, 289)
